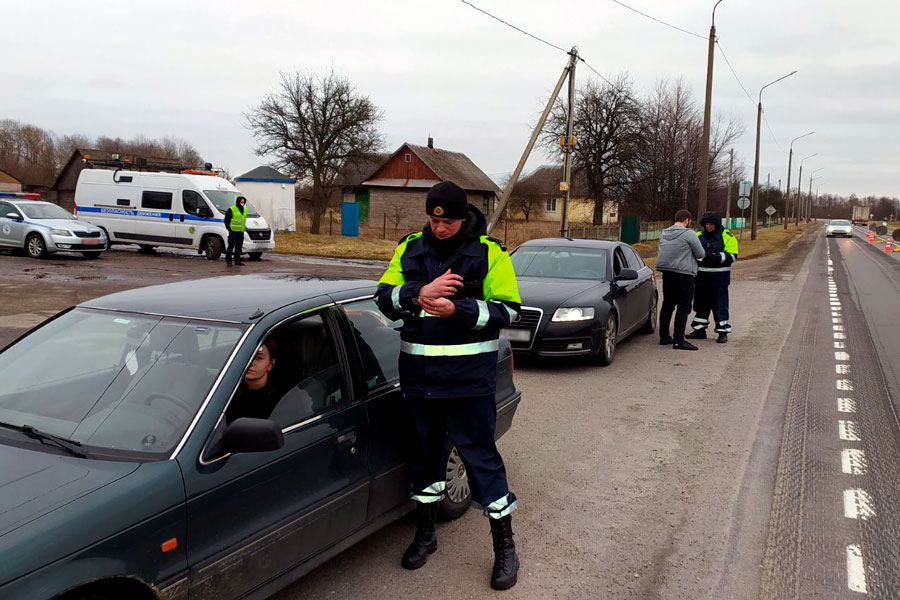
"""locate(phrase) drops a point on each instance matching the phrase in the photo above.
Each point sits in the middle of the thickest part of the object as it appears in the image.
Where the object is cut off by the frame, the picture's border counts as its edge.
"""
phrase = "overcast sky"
(191, 69)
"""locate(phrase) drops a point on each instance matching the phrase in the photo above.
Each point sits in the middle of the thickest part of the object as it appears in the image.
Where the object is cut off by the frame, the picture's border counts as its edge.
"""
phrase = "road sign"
(743, 203)
(744, 189)
(770, 210)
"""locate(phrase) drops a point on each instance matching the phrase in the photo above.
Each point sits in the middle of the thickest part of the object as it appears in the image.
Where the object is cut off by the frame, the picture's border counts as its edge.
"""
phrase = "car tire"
(35, 246)
(212, 247)
(145, 249)
(91, 255)
(255, 255)
(608, 340)
(652, 316)
(458, 498)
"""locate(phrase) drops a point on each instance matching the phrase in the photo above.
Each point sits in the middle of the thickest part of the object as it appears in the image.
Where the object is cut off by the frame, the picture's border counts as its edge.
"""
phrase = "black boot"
(425, 541)
(698, 334)
(723, 338)
(506, 563)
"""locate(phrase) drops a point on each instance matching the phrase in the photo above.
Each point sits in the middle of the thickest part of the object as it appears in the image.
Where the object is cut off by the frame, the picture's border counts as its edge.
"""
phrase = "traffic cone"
(887, 245)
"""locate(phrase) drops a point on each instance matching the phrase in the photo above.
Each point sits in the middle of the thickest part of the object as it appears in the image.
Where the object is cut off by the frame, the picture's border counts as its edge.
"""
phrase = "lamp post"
(800, 187)
(809, 204)
(788, 195)
(704, 157)
(754, 203)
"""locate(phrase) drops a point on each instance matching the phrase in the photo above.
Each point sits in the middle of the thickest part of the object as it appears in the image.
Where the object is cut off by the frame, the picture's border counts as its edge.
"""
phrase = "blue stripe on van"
(130, 212)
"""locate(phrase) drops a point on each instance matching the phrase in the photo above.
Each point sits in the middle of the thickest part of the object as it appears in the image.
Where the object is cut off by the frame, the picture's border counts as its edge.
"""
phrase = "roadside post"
(770, 210)
(743, 203)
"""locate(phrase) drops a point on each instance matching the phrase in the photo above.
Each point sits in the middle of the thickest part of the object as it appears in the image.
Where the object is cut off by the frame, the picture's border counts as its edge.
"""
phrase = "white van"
(179, 210)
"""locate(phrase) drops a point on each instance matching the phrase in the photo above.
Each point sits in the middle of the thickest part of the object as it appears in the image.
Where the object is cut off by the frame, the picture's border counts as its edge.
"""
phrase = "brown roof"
(545, 180)
(449, 166)
(81, 153)
(7, 178)
(357, 171)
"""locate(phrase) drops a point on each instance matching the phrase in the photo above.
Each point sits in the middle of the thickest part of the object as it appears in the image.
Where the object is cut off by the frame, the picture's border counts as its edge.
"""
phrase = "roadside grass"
(335, 246)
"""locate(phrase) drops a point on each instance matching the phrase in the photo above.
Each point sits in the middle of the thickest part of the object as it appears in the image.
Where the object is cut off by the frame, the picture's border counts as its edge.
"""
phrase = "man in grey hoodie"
(679, 251)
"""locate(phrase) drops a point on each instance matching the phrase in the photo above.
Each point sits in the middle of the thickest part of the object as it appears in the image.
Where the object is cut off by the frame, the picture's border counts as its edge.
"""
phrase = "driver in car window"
(254, 399)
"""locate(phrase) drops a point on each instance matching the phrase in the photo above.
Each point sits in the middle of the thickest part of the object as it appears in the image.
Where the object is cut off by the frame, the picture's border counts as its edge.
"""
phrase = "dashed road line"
(856, 572)
(858, 504)
(848, 431)
(853, 462)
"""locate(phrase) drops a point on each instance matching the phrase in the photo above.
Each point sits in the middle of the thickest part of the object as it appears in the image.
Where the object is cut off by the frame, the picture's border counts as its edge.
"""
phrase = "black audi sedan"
(580, 297)
(127, 472)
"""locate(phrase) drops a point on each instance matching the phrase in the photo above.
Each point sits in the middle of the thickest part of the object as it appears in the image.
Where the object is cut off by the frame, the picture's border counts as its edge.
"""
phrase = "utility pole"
(507, 192)
(800, 204)
(768, 188)
(787, 190)
(704, 157)
(569, 146)
(728, 191)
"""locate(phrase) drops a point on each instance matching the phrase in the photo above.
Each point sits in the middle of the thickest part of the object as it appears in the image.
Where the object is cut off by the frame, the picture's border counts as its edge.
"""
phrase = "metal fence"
(650, 230)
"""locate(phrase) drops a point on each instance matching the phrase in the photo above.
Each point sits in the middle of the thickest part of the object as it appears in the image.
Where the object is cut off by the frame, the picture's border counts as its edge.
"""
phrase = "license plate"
(517, 335)
(90, 242)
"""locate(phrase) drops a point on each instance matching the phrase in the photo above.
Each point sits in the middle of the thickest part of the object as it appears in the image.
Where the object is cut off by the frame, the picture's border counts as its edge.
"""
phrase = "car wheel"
(459, 495)
(255, 255)
(652, 316)
(91, 254)
(608, 340)
(212, 247)
(35, 246)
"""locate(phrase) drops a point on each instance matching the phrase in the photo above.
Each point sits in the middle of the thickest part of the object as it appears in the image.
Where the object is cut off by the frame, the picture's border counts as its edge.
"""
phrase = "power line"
(772, 133)
(596, 71)
(733, 72)
(520, 30)
(643, 14)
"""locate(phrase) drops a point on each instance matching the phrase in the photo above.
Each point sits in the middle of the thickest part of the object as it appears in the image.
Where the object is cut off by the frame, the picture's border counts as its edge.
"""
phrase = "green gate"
(362, 198)
(631, 229)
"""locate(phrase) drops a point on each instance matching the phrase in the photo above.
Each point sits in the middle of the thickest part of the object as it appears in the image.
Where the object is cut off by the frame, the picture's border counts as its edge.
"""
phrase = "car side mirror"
(627, 275)
(14, 216)
(204, 212)
(252, 435)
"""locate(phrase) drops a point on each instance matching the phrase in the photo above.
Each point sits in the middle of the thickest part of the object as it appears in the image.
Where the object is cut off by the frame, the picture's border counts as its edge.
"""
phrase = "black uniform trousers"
(711, 297)
(678, 292)
(471, 424)
(235, 246)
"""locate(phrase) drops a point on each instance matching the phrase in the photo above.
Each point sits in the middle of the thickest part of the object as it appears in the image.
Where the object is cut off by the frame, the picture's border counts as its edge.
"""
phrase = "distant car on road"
(580, 297)
(125, 474)
(839, 227)
(41, 228)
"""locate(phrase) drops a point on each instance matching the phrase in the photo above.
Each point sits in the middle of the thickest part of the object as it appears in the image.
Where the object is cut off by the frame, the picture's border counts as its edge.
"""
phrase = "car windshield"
(44, 210)
(840, 222)
(567, 263)
(225, 199)
(118, 381)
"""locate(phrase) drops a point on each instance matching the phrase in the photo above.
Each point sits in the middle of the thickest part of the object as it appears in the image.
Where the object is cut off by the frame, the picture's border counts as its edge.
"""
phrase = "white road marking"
(829, 261)
(840, 336)
(848, 431)
(837, 320)
(841, 369)
(841, 356)
(853, 462)
(845, 385)
(838, 327)
(856, 571)
(858, 504)
(846, 405)
(838, 345)
(835, 302)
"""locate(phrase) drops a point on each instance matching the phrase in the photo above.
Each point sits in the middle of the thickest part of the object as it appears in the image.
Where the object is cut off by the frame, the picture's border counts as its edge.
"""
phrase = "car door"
(254, 516)
(643, 291)
(12, 231)
(625, 292)
(377, 346)
(194, 212)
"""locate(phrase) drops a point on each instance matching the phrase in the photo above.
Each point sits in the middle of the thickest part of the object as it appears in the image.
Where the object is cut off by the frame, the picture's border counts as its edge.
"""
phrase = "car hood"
(33, 483)
(549, 293)
(67, 224)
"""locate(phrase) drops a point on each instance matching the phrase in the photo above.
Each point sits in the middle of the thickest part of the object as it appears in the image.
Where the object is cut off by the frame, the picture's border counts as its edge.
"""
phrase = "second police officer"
(455, 289)
(236, 224)
(713, 278)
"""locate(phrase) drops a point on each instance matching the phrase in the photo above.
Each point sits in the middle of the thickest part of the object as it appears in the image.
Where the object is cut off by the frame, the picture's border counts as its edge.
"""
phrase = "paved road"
(834, 527)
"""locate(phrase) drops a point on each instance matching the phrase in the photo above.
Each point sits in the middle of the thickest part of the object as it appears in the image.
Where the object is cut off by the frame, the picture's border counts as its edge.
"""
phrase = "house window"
(550, 206)
(408, 157)
(486, 204)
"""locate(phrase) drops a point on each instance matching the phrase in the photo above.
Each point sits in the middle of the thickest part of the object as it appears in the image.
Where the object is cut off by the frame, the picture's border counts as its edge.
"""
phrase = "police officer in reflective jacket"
(455, 289)
(236, 224)
(713, 278)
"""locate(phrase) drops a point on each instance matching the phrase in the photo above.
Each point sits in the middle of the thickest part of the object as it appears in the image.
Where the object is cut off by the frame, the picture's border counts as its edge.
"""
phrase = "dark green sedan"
(128, 468)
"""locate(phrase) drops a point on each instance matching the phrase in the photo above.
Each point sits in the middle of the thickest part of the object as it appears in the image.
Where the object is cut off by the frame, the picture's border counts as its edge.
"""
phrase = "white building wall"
(274, 201)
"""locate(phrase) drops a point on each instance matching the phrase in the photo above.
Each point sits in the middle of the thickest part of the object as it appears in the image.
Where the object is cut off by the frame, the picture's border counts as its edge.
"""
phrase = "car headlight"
(61, 232)
(573, 314)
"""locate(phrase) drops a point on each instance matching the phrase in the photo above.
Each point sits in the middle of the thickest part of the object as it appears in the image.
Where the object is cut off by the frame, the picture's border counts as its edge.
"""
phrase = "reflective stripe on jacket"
(238, 222)
(715, 269)
(448, 357)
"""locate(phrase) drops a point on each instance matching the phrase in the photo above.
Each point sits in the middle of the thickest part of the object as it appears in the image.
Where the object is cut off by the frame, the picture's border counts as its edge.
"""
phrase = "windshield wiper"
(71, 446)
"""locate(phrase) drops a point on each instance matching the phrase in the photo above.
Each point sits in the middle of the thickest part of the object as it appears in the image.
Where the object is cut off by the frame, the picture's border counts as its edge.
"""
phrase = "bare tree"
(526, 198)
(396, 211)
(312, 126)
(607, 124)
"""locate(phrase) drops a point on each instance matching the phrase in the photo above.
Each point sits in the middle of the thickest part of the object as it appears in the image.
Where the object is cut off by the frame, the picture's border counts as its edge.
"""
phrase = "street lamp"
(809, 193)
(755, 196)
(788, 196)
(800, 185)
(704, 157)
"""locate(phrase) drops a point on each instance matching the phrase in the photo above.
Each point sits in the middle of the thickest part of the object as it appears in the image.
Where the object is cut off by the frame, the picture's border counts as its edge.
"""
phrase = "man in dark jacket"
(679, 251)
(236, 224)
(455, 289)
(713, 278)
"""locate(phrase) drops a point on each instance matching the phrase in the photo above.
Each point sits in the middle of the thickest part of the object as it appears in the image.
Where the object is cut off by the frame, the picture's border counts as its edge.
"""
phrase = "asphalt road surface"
(732, 472)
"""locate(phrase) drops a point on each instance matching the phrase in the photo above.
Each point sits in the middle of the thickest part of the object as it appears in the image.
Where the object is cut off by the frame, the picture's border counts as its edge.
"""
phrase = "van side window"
(156, 200)
(193, 203)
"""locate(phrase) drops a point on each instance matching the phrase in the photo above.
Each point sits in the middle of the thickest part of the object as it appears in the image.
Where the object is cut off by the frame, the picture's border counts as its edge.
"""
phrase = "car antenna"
(259, 313)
